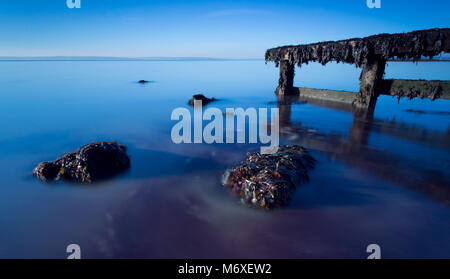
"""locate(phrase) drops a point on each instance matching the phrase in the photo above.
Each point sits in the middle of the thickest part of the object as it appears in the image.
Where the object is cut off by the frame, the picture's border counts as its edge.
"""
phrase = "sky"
(221, 29)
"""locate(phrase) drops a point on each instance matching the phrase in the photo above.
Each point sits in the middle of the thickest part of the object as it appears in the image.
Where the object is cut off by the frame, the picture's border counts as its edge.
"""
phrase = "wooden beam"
(286, 81)
(434, 89)
(388, 87)
(324, 95)
(410, 46)
(370, 82)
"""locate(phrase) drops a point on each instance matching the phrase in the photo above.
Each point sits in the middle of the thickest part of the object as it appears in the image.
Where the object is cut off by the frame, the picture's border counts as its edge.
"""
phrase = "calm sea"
(384, 180)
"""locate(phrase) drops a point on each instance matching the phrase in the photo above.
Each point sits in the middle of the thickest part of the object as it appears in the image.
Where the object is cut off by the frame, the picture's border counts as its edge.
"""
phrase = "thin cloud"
(237, 12)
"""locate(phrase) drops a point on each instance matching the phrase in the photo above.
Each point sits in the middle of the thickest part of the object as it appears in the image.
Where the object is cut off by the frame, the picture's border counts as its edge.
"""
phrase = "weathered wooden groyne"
(370, 53)
(353, 148)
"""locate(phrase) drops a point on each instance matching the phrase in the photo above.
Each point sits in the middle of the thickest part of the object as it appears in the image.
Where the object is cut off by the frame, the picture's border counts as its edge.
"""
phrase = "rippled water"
(380, 179)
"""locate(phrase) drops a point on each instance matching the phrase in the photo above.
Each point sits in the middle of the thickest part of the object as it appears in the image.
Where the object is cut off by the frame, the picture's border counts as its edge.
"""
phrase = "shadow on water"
(356, 151)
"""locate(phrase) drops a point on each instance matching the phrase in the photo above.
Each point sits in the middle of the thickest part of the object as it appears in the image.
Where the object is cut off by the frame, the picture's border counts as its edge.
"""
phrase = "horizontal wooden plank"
(392, 87)
(432, 89)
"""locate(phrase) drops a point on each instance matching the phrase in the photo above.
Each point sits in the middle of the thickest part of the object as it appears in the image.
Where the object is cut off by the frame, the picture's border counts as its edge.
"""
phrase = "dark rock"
(200, 97)
(268, 181)
(143, 81)
(90, 163)
(46, 171)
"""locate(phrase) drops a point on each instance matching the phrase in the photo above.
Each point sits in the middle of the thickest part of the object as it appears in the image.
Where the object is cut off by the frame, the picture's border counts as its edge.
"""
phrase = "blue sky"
(226, 29)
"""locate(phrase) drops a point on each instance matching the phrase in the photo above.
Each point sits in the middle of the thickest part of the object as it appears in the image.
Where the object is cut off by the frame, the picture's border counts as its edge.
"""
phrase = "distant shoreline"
(153, 59)
(81, 58)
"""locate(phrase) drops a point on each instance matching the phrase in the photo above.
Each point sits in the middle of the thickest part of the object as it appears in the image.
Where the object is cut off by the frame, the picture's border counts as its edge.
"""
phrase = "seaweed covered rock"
(200, 97)
(90, 163)
(268, 181)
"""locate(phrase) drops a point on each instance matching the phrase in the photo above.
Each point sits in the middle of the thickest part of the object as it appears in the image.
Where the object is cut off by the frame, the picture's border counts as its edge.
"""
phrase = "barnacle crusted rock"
(90, 163)
(268, 181)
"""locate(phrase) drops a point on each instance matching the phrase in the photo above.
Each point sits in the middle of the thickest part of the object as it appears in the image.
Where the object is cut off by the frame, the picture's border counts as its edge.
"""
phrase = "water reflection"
(187, 214)
(171, 205)
(356, 150)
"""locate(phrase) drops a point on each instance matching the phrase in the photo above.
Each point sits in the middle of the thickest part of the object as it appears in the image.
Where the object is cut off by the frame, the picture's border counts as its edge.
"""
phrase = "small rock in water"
(90, 163)
(200, 97)
(143, 81)
(268, 181)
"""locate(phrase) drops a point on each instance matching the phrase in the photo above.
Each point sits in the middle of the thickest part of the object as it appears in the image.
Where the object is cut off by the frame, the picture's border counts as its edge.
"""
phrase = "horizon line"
(116, 58)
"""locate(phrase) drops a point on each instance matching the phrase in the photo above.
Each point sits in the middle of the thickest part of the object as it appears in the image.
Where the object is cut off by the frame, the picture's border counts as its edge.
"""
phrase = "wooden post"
(286, 81)
(370, 81)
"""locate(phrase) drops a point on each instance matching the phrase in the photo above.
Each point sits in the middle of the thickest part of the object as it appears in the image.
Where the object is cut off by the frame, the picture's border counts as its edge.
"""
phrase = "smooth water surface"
(383, 179)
